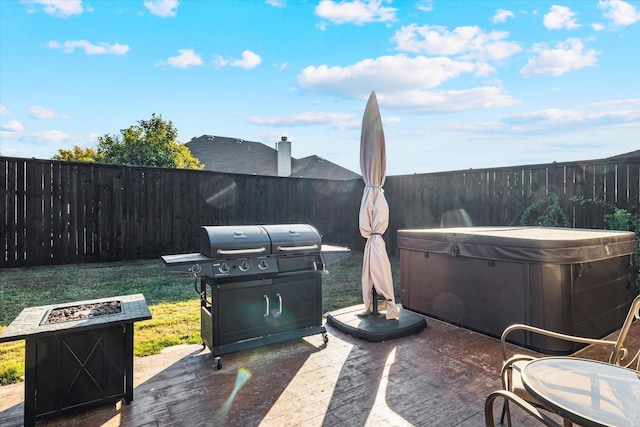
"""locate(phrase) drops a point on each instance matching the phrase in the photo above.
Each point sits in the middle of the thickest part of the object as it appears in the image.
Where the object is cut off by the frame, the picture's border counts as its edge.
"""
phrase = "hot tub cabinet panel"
(574, 281)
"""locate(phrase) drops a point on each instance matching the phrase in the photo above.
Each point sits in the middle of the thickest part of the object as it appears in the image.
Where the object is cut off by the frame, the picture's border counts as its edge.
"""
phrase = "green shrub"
(545, 212)
(621, 220)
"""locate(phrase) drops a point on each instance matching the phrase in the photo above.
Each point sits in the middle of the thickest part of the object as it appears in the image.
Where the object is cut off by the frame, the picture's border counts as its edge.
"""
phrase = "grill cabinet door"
(301, 296)
(241, 309)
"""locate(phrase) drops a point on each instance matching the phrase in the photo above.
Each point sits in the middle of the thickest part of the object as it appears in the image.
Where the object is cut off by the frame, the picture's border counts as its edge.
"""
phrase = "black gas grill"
(259, 284)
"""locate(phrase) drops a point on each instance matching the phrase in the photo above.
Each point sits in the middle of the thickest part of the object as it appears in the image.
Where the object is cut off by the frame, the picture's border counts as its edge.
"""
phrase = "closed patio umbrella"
(374, 212)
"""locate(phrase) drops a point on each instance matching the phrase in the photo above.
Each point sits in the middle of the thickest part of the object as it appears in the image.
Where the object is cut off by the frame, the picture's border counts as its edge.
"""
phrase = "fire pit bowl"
(83, 311)
(77, 353)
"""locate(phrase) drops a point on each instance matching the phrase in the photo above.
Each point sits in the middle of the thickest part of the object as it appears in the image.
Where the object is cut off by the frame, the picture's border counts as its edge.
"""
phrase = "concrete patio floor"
(439, 377)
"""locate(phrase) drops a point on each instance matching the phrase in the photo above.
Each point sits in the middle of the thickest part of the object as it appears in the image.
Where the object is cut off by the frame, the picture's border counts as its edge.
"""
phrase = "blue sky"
(461, 84)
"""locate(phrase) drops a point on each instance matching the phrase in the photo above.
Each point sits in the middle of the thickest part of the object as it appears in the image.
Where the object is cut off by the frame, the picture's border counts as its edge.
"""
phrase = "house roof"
(234, 155)
(626, 156)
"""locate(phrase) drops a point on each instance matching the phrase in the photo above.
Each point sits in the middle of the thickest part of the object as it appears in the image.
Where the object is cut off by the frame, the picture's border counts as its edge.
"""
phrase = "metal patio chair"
(512, 366)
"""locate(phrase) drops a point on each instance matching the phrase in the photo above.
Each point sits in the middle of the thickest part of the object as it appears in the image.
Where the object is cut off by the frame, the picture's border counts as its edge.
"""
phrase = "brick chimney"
(284, 157)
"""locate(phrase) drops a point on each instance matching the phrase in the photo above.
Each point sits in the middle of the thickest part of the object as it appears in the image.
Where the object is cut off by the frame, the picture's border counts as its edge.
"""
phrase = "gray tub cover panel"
(530, 244)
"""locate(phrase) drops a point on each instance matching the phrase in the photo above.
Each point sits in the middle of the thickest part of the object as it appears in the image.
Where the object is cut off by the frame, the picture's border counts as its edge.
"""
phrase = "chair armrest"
(488, 408)
(548, 333)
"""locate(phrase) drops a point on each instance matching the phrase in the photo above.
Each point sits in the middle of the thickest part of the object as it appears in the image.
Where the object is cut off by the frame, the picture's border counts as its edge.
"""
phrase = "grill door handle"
(297, 248)
(240, 251)
(279, 299)
(266, 314)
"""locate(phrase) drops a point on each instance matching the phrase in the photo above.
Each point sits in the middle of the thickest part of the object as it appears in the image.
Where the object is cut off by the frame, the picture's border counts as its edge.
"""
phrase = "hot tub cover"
(531, 244)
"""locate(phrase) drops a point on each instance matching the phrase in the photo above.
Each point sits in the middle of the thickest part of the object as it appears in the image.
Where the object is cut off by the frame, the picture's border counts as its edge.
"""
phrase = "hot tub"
(573, 281)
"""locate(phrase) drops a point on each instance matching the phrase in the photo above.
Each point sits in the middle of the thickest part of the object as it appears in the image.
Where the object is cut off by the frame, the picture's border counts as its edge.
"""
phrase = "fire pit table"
(77, 353)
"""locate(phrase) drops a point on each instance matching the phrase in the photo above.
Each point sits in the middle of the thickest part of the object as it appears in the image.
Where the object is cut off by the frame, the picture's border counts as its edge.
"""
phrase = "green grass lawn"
(172, 299)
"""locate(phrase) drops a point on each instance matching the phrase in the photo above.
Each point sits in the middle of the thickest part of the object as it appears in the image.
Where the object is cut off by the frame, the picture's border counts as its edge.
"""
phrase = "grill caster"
(218, 362)
(325, 337)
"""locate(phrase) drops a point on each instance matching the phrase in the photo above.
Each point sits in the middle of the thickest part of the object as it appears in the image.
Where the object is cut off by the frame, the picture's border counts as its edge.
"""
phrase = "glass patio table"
(586, 392)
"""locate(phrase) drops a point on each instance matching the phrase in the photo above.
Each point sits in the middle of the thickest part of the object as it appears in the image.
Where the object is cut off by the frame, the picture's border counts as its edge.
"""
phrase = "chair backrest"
(619, 353)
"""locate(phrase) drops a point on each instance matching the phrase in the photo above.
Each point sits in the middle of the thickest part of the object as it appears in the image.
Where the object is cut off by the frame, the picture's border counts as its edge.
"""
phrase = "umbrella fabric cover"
(374, 211)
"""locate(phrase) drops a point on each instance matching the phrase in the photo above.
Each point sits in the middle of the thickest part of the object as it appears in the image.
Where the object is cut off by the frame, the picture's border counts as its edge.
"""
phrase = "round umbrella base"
(375, 328)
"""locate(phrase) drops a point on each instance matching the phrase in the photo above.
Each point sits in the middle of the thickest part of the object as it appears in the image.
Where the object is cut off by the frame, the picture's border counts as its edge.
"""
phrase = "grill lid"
(234, 241)
(294, 239)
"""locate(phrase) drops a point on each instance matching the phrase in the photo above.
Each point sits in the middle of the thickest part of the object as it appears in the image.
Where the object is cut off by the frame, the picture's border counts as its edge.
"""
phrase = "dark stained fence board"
(622, 186)
(56, 213)
(35, 235)
(634, 187)
(10, 221)
(48, 227)
(74, 222)
(87, 215)
(64, 215)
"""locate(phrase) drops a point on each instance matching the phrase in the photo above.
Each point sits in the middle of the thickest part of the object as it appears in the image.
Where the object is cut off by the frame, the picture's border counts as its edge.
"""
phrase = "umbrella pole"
(374, 299)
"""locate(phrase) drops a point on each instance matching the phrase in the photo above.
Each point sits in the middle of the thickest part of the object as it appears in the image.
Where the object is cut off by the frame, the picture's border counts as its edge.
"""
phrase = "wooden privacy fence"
(66, 212)
(57, 212)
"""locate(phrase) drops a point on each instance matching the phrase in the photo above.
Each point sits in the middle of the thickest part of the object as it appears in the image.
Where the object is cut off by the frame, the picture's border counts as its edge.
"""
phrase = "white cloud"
(560, 17)
(43, 113)
(51, 136)
(568, 56)
(388, 73)
(13, 126)
(404, 83)
(616, 114)
(501, 16)
(41, 136)
(334, 120)
(163, 8)
(59, 8)
(186, 58)
(630, 102)
(355, 12)
(89, 48)
(249, 60)
(620, 12)
(4, 110)
(420, 101)
(220, 62)
(469, 42)
(276, 3)
(554, 119)
(597, 26)
(425, 5)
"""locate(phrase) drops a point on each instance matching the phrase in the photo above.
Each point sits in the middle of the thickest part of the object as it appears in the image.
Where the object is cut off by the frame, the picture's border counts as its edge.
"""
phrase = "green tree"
(149, 143)
(78, 154)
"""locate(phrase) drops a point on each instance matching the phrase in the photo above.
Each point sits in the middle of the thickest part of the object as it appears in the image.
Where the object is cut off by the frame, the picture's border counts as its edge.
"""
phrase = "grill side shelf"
(193, 263)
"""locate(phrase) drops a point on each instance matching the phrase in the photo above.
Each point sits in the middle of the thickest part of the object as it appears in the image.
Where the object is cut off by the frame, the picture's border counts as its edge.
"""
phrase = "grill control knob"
(224, 268)
(244, 266)
(262, 265)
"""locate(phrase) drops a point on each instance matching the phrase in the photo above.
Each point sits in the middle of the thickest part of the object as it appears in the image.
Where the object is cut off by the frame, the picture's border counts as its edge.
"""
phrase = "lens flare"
(242, 377)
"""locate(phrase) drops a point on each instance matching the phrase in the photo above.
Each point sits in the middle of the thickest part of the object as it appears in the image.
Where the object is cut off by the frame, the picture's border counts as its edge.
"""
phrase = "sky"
(460, 84)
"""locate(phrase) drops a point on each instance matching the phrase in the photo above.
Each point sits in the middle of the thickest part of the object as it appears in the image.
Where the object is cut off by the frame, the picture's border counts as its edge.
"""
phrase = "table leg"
(30, 383)
(128, 351)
